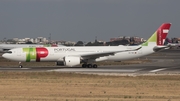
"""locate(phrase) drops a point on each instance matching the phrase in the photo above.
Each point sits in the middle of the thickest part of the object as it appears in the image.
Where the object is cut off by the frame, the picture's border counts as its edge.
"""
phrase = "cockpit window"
(9, 52)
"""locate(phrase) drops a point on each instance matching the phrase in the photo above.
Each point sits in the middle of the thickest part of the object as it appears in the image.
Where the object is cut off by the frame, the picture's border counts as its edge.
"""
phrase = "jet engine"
(71, 61)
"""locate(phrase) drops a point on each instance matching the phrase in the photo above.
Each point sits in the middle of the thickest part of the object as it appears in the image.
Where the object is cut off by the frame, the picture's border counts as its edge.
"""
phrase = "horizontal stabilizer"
(159, 48)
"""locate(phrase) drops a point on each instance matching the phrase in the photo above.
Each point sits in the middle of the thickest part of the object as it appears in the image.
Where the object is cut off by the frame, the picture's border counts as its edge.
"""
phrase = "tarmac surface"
(164, 62)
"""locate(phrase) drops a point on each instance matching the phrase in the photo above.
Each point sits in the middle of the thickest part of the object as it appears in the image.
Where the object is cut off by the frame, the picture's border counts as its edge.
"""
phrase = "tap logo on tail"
(162, 33)
(159, 36)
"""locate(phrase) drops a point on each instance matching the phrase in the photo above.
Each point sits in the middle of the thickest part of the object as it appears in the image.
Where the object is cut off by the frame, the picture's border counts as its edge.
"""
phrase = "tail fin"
(159, 36)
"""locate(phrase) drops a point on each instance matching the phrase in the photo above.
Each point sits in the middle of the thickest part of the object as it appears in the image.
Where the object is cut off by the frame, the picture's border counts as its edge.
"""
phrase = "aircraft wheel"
(89, 65)
(20, 66)
(84, 65)
(95, 66)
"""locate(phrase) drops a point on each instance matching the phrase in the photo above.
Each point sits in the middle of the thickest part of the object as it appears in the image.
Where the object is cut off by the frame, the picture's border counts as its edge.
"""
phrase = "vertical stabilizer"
(159, 36)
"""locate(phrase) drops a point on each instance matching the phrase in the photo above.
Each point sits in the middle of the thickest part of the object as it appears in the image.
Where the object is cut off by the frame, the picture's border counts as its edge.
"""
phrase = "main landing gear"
(89, 65)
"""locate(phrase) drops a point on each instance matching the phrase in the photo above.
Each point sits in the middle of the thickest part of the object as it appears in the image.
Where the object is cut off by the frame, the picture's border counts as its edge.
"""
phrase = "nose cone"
(9, 56)
(5, 55)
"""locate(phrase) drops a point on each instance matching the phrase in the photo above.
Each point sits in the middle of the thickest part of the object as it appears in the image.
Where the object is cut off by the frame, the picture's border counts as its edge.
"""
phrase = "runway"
(165, 62)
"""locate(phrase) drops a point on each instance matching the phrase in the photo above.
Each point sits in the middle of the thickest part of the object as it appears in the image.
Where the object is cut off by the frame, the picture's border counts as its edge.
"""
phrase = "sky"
(74, 20)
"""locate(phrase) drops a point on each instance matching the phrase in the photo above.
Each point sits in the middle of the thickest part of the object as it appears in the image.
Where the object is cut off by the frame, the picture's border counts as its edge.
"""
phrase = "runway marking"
(25, 68)
(12, 68)
(95, 70)
(156, 70)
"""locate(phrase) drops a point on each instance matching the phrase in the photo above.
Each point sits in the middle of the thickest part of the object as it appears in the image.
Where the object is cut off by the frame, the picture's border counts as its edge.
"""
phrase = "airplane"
(88, 55)
(171, 44)
(6, 47)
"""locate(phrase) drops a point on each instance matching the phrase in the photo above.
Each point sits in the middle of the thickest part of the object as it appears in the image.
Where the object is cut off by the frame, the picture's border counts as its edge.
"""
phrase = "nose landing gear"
(20, 66)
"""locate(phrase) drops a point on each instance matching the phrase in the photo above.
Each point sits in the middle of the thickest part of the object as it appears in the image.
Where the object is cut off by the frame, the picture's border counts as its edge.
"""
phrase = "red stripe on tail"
(162, 33)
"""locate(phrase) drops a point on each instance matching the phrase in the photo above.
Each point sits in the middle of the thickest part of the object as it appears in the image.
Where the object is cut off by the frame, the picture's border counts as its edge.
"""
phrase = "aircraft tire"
(20, 66)
(95, 66)
(89, 66)
(84, 65)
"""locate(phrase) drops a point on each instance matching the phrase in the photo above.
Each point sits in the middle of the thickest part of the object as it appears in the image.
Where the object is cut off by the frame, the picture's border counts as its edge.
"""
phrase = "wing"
(101, 54)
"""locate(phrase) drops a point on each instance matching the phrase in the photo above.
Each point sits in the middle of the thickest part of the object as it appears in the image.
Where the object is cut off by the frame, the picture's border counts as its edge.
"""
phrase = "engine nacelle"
(72, 61)
(60, 63)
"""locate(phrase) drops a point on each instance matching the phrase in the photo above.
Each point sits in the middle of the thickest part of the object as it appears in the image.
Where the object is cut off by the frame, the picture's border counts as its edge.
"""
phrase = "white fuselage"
(58, 53)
